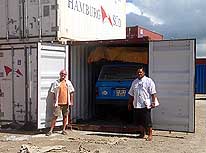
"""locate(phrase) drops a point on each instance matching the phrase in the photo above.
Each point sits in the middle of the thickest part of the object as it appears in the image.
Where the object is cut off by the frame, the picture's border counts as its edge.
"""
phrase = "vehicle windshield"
(109, 73)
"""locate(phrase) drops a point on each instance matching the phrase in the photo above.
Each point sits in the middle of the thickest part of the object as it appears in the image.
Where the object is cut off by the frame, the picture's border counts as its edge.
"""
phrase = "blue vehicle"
(114, 82)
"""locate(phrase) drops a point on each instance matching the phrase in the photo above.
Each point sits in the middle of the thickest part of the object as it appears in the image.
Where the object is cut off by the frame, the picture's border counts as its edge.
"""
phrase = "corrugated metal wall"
(200, 80)
(83, 78)
(140, 32)
(200, 61)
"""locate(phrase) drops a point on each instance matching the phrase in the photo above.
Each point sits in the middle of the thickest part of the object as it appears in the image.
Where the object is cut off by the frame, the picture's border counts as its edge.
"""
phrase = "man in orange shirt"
(62, 90)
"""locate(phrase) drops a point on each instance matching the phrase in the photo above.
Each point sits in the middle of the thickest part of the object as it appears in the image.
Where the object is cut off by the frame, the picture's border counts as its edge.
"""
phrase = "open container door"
(51, 59)
(172, 67)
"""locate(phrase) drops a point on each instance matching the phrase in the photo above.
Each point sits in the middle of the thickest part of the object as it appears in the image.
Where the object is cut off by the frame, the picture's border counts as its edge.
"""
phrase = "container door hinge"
(21, 1)
(54, 29)
(54, 7)
(1, 114)
(1, 93)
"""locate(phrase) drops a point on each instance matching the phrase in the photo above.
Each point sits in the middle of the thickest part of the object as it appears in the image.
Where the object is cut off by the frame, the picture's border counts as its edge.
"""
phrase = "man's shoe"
(149, 138)
(142, 135)
(69, 127)
(64, 132)
(49, 133)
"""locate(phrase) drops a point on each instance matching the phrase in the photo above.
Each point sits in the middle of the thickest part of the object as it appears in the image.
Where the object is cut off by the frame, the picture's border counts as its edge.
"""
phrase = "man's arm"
(55, 101)
(52, 91)
(153, 100)
(153, 93)
(72, 98)
(130, 102)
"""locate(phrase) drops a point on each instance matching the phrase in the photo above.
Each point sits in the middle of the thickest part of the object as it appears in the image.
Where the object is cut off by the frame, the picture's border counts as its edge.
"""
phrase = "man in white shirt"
(142, 95)
(62, 90)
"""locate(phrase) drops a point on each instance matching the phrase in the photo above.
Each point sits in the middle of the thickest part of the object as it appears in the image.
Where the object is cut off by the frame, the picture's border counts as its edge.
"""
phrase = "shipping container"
(171, 64)
(60, 20)
(141, 32)
(200, 61)
(200, 79)
(26, 73)
(28, 69)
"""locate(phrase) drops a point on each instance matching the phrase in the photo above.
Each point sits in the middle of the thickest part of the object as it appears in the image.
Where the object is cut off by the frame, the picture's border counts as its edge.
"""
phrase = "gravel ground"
(99, 142)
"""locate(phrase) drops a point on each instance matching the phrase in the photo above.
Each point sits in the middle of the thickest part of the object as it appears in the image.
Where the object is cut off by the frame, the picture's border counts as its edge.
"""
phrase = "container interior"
(84, 76)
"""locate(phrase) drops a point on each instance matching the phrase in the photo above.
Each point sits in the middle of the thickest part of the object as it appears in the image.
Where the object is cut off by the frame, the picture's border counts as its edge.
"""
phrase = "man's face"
(140, 73)
(63, 75)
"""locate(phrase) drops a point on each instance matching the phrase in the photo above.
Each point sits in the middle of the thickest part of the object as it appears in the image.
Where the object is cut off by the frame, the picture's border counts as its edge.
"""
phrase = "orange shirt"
(63, 97)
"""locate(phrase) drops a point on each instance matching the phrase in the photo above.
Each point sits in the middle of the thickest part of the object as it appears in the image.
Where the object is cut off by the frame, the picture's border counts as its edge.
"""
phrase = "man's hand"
(55, 104)
(153, 100)
(130, 103)
(153, 105)
(129, 107)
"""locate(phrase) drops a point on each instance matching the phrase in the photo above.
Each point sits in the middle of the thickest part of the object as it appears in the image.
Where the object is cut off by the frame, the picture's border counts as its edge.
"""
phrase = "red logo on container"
(9, 70)
(105, 16)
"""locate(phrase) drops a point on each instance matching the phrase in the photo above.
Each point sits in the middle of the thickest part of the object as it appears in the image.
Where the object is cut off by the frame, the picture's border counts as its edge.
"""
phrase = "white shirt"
(55, 89)
(142, 90)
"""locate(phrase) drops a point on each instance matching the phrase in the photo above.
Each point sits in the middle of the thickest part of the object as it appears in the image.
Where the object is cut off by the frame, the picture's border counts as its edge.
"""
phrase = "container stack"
(33, 49)
(32, 52)
(200, 80)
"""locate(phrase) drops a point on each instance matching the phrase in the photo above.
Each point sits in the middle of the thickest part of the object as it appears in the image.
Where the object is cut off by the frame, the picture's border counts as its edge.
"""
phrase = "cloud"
(174, 19)
(131, 8)
(201, 48)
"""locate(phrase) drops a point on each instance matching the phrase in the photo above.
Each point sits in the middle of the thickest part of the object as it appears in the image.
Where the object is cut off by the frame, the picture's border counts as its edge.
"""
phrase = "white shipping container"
(26, 73)
(33, 20)
(172, 67)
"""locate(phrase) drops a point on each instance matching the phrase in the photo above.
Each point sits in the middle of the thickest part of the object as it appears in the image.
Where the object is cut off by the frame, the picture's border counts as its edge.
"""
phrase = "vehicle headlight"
(104, 92)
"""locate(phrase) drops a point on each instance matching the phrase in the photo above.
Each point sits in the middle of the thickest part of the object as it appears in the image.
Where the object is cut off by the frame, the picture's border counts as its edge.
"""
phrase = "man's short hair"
(140, 67)
(63, 71)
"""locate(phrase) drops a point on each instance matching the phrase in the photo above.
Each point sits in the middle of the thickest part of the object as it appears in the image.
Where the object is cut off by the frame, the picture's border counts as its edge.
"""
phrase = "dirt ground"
(100, 142)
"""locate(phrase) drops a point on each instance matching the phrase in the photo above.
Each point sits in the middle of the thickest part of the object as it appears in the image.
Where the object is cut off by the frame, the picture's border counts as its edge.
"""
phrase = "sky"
(174, 19)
